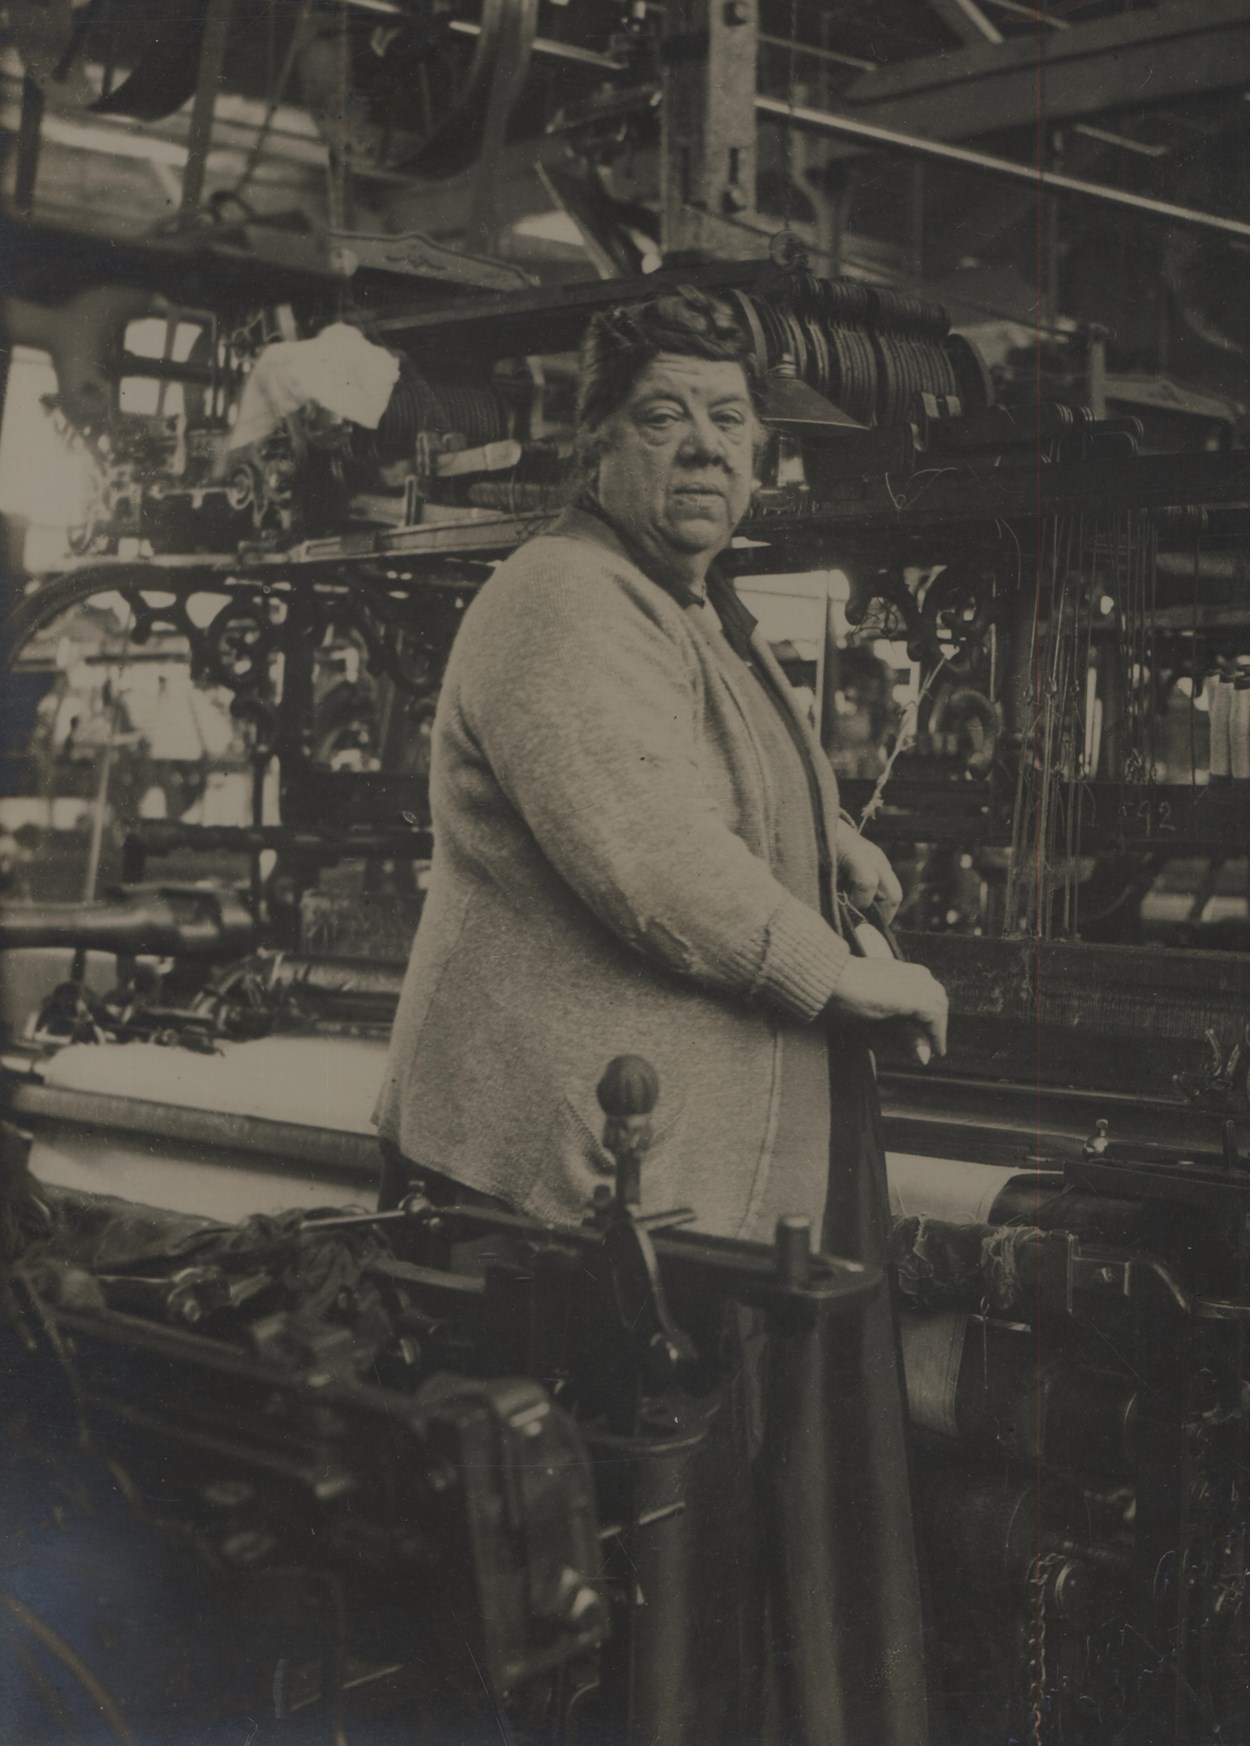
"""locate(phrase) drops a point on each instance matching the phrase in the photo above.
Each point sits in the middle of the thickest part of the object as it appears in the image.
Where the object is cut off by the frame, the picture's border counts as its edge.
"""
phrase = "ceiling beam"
(966, 19)
(1034, 14)
(1174, 50)
(942, 151)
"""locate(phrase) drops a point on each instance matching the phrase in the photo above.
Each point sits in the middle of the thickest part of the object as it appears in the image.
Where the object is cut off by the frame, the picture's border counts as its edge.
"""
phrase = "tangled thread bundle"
(941, 1266)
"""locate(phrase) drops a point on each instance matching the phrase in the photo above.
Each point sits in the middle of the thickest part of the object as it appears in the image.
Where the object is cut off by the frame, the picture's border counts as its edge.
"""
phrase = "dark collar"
(737, 622)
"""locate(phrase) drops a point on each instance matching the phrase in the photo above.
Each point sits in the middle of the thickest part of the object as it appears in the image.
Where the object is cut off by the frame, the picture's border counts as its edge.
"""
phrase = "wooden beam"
(1133, 60)
(707, 125)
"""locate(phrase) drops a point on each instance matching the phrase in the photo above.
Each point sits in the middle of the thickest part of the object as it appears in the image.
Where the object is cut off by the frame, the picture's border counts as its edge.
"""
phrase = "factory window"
(46, 479)
(167, 342)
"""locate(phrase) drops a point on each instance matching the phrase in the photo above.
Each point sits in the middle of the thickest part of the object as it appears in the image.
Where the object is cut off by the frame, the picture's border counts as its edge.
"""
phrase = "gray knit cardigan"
(603, 824)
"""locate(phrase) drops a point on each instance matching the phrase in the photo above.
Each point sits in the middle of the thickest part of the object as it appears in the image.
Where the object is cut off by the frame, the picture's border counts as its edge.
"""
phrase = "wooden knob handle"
(628, 1092)
(630, 1087)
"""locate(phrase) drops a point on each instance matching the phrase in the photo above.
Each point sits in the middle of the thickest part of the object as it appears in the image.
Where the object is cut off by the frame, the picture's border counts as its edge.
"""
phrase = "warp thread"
(942, 1266)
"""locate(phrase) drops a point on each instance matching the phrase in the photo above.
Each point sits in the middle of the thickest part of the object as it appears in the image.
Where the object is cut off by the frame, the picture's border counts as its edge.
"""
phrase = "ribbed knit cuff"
(803, 960)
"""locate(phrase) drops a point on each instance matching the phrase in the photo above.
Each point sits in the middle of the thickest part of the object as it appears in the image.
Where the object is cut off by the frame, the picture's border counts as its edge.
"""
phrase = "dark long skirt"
(878, 1606)
(809, 1625)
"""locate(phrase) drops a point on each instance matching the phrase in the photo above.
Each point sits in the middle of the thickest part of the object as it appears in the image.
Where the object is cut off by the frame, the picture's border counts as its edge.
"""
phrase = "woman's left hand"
(865, 875)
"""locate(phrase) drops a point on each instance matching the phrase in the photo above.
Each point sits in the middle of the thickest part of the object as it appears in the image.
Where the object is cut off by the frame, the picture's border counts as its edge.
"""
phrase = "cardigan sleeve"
(584, 705)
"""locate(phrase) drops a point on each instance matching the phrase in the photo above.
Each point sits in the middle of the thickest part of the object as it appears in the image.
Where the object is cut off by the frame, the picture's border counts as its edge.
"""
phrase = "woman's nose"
(703, 440)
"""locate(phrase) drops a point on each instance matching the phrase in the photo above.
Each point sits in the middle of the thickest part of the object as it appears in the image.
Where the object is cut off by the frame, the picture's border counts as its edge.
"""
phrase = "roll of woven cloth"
(960, 1192)
(983, 1386)
(1219, 695)
(1239, 729)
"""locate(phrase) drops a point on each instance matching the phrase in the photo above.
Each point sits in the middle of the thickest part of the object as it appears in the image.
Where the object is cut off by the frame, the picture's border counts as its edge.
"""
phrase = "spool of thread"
(1219, 692)
(1239, 729)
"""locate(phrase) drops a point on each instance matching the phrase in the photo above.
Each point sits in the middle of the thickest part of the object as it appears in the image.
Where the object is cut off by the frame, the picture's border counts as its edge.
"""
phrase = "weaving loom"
(1087, 691)
(1069, 1187)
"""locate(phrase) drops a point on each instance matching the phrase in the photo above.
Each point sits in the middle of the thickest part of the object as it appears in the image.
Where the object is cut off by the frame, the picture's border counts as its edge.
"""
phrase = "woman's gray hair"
(620, 342)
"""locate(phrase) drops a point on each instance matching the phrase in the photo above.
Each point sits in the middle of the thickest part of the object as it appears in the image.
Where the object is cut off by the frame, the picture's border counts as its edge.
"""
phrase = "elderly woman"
(636, 837)
(638, 849)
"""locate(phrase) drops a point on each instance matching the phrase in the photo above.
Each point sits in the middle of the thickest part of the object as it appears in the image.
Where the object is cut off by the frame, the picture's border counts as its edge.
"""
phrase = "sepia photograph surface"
(624, 872)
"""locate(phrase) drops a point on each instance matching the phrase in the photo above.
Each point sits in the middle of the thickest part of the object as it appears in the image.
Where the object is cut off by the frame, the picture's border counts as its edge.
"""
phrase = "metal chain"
(276, 97)
(1038, 1577)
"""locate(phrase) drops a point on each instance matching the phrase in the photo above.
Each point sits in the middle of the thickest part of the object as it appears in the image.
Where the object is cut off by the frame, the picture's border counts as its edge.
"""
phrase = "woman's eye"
(730, 420)
(660, 420)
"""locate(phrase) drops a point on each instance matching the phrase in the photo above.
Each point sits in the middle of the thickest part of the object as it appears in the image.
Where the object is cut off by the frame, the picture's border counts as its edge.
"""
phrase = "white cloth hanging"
(339, 369)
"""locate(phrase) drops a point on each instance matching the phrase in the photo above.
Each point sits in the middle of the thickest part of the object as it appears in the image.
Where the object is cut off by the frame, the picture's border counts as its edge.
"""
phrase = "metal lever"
(628, 1093)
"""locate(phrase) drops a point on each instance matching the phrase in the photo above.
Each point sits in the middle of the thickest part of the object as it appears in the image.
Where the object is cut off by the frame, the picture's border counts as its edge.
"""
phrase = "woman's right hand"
(887, 991)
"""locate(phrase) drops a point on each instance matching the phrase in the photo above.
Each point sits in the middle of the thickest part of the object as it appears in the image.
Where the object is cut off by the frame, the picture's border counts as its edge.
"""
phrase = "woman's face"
(676, 472)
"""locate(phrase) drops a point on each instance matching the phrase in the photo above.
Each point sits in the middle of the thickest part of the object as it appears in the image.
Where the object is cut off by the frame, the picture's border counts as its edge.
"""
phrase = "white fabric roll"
(1219, 712)
(1239, 733)
(933, 1348)
(945, 1188)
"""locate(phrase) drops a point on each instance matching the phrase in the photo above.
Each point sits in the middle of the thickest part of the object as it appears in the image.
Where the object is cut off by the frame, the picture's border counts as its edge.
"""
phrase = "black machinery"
(1071, 1186)
(1070, 1264)
(477, 1466)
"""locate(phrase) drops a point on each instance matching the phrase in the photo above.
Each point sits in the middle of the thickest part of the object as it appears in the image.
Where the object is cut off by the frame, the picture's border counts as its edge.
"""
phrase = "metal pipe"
(867, 133)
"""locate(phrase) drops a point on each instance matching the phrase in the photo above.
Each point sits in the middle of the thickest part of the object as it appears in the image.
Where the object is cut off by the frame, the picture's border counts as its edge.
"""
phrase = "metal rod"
(98, 811)
(1106, 137)
(546, 46)
(28, 140)
(200, 133)
(972, 14)
(549, 49)
(1033, 13)
(818, 53)
(6, 369)
(866, 132)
